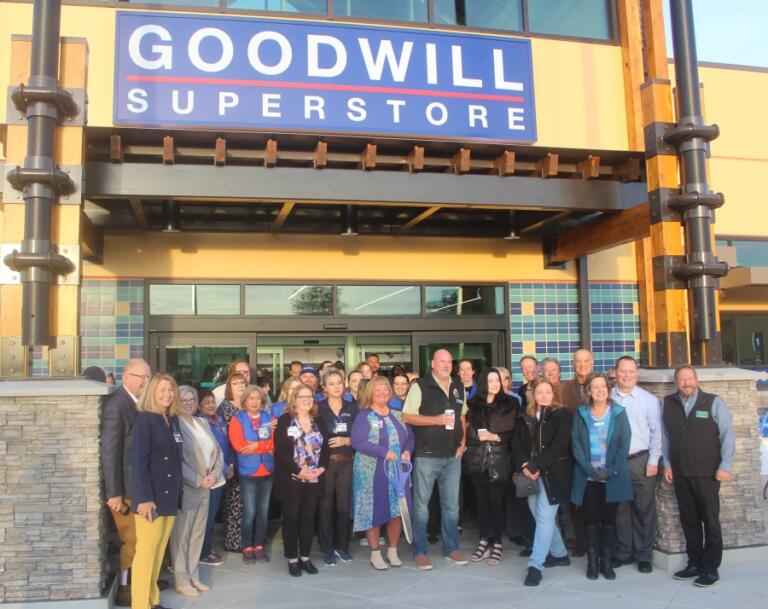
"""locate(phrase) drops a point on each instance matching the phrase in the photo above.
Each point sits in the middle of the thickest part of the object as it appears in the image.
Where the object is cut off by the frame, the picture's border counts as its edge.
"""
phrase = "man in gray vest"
(636, 519)
(698, 449)
(436, 409)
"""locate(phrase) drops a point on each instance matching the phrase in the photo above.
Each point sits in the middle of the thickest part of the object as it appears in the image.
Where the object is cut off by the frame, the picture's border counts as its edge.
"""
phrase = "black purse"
(524, 486)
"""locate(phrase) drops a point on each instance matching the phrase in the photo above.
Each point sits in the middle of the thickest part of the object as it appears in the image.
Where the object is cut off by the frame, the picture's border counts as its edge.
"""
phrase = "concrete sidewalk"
(477, 586)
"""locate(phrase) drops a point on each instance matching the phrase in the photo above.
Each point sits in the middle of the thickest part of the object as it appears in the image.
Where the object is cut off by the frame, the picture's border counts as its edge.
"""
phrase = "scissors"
(399, 474)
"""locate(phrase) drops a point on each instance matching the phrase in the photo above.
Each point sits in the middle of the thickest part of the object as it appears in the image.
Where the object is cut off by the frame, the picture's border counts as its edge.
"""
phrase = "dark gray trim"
(585, 304)
(194, 182)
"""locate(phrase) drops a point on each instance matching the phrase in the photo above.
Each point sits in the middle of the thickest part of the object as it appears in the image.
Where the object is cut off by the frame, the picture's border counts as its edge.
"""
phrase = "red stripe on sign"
(192, 80)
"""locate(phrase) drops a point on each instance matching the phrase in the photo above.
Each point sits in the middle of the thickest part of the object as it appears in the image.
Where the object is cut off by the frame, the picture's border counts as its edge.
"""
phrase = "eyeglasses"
(304, 397)
(140, 376)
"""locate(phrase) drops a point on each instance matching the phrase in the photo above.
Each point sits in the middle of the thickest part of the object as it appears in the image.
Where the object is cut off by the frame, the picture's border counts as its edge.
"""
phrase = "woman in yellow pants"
(156, 452)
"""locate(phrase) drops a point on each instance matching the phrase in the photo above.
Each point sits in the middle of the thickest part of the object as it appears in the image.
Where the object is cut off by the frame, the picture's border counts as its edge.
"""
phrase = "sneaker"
(690, 572)
(330, 560)
(212, 560)
(457, 558)
(260, 555)
(307, 566)
(533, 577)
(342, 555)
(248, 556)
(422, 562)
(557, 561)
(707, 579)
(645, 566)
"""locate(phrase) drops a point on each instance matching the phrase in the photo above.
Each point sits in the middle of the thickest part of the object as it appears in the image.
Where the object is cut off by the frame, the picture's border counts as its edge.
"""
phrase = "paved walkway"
(477, 586)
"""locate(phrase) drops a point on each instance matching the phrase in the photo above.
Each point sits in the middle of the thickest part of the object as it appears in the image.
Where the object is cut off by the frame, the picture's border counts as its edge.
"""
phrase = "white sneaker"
(393, 558)
(377, 562)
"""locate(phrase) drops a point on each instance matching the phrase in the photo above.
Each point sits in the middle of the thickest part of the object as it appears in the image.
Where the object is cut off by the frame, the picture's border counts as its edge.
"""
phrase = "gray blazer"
(117, 418)
(193, 460)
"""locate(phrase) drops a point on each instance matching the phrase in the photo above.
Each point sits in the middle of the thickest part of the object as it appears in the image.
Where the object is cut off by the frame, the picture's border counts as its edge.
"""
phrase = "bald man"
(575, 390)
(436, 408)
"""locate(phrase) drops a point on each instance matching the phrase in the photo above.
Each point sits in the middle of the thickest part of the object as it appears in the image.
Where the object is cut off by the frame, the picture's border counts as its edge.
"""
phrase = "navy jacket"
(618, 487)
(156, 458)
(117, 419)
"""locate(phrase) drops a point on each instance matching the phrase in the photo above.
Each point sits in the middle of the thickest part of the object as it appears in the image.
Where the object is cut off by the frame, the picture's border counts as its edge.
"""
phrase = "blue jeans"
(547, 538)
(447, 473)
(214, 502)
(255, 493)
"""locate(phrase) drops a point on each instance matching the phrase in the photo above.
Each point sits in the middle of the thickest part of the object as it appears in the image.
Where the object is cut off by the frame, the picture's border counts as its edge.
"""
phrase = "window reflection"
(171, 299)
(288, 300)
(464, 300)
(399, 10)
(380, 300)
(582, 18)
(284, 6)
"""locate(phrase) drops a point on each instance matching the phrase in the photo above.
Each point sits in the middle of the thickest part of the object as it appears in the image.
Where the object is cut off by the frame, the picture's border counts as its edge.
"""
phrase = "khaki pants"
(126, 530)
(151, 540)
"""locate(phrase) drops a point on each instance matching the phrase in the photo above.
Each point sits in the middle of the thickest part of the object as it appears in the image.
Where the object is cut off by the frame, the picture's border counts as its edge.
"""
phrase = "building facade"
(320, 180)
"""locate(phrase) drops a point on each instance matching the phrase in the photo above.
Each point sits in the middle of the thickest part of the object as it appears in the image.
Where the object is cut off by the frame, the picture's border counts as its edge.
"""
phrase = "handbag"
(524, 486)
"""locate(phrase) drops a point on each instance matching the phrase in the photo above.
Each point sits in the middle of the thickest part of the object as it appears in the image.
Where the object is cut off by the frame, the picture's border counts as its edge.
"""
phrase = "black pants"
(594, 508)
(490, 508)
(299, 512)
(333, 520)
(699, 502)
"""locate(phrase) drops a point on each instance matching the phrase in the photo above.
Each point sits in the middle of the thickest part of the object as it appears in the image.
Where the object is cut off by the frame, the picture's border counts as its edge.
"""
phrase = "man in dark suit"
(117, 420)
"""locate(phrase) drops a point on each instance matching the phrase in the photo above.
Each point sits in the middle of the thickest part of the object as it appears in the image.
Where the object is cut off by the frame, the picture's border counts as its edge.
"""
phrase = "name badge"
(264, 433)
(340, 428)
(293, 432)
(599, 423)
(702, 414)
(376, 425)
(177, 436)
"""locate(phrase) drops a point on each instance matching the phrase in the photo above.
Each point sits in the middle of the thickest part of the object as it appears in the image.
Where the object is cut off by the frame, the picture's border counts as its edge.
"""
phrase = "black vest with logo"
(436, 440)
(694, 440)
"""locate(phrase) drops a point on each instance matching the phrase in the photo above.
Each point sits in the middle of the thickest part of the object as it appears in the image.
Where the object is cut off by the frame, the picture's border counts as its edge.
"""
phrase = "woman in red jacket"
(250, 433)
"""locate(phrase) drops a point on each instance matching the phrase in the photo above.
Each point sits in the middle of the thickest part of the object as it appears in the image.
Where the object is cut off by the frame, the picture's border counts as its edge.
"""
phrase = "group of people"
(564, 463)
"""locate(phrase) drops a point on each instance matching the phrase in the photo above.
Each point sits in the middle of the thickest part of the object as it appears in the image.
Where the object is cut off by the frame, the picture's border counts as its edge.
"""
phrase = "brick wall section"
(52, 521)
(741, 512)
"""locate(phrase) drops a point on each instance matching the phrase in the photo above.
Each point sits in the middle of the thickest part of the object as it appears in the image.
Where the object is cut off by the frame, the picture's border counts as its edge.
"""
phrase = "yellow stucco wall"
(578, 86)
(287, 257)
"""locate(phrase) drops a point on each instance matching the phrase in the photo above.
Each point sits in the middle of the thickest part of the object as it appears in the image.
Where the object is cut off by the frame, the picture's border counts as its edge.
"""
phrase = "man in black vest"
(436, 407)
(698, 450)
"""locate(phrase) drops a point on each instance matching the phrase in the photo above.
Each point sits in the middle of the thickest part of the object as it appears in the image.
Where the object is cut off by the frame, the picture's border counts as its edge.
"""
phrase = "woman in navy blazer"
(156, 460)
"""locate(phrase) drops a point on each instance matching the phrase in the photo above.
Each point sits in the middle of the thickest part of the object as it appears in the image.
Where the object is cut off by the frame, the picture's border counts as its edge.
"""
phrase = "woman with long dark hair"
(488, 460)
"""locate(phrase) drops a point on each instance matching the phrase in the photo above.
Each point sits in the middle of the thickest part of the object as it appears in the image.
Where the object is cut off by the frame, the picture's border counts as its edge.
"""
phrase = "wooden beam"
(547, 167)
(623, 227)
(656, 62)
(628, 171)
(368, 157)
(169, 154)
(589, 168)
(220, 152)
(138, 213)
(505, 164)
(320, 155)
(115, 148)
(537, 225)
(415, 159)
(631, 37)
(418, 219)
(282, 216)
(270, 153)
(644, 263)
(460, 162)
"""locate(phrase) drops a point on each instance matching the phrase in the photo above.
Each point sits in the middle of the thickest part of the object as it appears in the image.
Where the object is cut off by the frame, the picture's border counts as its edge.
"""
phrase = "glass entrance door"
(483, 348)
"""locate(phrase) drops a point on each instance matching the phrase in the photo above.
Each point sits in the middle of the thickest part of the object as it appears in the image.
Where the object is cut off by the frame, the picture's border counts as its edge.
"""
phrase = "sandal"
(482, 551)
(496, 555)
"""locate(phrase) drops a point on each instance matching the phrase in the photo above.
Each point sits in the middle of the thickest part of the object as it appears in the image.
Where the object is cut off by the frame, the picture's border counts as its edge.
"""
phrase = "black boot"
(593, 548)
(607, 542)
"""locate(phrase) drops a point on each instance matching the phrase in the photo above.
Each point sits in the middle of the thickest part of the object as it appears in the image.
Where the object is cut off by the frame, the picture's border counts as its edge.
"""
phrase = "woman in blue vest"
(600, 438)
(156, 446)
(250, 433)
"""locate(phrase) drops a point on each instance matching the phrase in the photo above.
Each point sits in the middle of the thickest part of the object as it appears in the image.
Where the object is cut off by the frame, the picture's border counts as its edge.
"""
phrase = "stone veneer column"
(741, 512)
(53, 527)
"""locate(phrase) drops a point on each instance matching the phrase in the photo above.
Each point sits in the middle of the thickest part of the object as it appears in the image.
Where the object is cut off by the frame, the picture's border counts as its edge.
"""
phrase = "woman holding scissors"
(382, 441)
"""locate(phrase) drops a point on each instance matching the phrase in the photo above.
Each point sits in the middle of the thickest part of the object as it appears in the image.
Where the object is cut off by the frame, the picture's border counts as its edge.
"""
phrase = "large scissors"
(399, 474)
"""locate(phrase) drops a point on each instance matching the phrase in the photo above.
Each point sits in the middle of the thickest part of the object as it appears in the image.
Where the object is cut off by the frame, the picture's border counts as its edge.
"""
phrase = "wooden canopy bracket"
(220, 152)
(115, 148)
(547, 166)
(415, 159)
(504, 165)
(169, 152)
(460, 162)
(418, 219)
(589, 168)
(320, 155)
(368, 157)
(270, 153)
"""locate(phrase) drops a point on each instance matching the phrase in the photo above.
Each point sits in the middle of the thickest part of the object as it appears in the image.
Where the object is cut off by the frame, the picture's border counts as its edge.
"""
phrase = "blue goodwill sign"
(318, 77)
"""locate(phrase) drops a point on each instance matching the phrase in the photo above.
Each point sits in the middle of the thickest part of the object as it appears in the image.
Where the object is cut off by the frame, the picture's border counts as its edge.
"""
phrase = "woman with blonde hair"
(301, 458)
(288, 387)
(382, 441)
(156, 458)
(233, 504)
(541, 444)
(202, 464)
